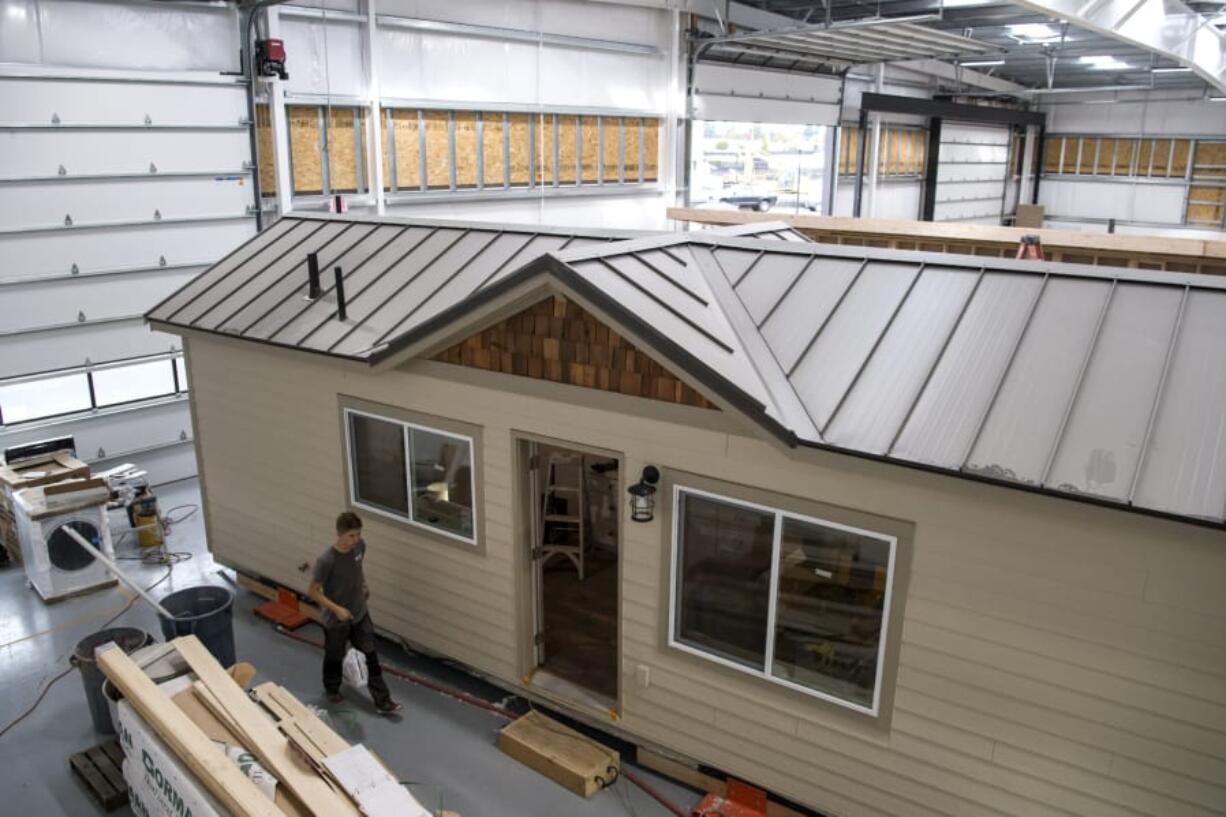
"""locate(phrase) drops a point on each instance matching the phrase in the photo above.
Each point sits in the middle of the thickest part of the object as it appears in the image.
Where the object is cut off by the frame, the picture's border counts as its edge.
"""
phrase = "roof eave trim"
(971, 476)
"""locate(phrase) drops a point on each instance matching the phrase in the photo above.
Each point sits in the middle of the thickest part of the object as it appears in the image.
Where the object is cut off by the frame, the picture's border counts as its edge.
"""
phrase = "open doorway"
(575, 515)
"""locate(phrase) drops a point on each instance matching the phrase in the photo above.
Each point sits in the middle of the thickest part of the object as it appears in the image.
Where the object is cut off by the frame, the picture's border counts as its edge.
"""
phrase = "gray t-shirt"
(340, 575)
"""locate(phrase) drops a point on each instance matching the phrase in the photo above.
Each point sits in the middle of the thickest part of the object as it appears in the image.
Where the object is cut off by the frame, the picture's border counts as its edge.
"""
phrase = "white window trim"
(765, 674)
(408, 458)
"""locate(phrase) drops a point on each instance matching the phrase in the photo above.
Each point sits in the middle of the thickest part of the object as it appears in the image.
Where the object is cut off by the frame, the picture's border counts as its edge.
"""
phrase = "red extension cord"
(497, 709)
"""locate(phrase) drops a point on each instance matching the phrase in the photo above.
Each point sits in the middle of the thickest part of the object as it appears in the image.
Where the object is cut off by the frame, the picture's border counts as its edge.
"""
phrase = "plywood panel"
(265, 157)
(408, 149)
(611, 166)
(651, 150)
(1072, 146)
(1124, 149)
(1102, 157)
(492, 159)
(1205, 204)
(343, 156)
(1051, 154)
(542, 140)
(1179, 160)
(438, 150)
(849, 146)
(1145, 152)
(465, 148)
(1210, 160)
(633, 141)
(304, 141)
(567, 155)
(521, 149)
(589, 157)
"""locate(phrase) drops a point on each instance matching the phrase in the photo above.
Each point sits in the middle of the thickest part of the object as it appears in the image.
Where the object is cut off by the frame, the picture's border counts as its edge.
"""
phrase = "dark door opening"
(574, 494)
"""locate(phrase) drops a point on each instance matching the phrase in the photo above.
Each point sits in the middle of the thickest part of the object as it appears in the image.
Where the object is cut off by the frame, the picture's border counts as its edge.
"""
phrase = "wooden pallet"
(560, 753)
(100, 769)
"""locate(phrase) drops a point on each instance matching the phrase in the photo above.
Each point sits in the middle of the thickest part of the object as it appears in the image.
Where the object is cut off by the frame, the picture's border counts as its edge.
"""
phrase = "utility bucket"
(206, 612)
(129, 639)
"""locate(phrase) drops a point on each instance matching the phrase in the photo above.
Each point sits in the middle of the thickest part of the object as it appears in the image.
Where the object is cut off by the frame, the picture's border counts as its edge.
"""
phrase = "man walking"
(338, 585)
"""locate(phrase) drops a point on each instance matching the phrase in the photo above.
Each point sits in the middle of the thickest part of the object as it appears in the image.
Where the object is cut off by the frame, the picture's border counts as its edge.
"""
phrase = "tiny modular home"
(931, 535)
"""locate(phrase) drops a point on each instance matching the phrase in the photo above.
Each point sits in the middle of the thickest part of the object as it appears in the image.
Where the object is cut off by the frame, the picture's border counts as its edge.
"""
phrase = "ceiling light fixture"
(1103, 62)
(1180, 70)
(957, 4)
(981, 63)
(1033, 33)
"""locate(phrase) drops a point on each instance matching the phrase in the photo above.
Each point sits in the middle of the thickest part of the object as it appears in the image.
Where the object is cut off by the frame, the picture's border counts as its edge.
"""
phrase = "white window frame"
(407, 518)
(776, 542)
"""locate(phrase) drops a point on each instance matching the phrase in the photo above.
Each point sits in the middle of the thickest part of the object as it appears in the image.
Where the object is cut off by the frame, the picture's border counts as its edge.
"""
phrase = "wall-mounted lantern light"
(643, 495)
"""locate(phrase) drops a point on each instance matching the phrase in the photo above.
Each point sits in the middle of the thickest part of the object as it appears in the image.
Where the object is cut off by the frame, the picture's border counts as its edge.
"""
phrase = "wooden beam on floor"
(206, 761)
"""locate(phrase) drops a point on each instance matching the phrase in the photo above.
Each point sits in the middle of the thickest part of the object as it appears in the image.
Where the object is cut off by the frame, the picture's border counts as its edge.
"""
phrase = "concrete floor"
(443, 745)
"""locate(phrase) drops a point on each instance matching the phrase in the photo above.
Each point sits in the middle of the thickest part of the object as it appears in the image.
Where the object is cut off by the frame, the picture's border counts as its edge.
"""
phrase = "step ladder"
(563, 481)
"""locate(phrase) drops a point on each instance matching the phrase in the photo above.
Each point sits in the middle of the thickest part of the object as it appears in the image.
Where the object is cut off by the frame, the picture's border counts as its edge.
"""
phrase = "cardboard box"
(162, 782)
(1029, 216)
(44, 469)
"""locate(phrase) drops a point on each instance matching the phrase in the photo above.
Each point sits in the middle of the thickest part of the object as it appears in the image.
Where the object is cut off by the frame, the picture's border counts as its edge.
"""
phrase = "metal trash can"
(206, 612)
(129, 639)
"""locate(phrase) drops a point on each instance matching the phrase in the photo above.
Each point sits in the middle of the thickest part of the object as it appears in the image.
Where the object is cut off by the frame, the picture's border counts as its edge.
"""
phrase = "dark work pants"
(361, 634)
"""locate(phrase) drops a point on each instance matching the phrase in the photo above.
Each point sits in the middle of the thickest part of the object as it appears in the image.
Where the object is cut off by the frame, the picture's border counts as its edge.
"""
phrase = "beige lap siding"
(1056, 658)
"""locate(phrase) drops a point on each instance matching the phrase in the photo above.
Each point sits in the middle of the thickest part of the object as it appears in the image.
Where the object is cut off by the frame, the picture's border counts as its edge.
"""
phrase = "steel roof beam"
(1166, 27)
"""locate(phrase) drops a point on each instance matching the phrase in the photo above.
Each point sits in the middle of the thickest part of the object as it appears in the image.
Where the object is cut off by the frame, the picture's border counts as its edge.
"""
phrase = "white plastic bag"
(354, 668)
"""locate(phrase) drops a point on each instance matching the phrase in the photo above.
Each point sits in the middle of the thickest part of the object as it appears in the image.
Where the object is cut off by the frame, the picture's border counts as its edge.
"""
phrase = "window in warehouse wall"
(56, 394)
(265, 157)
(758, 166)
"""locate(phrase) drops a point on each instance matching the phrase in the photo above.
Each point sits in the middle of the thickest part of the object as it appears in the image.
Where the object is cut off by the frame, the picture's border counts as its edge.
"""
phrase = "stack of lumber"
(201, 744)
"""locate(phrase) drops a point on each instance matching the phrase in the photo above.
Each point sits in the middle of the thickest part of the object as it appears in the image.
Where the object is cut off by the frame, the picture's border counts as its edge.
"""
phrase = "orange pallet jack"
(739, 800)
(283, 610)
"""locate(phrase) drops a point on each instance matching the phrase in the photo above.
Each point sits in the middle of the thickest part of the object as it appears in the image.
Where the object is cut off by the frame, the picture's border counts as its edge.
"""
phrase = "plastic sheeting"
(179, 37)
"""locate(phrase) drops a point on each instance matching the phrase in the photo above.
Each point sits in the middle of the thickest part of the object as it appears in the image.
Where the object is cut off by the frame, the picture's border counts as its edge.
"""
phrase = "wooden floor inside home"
(581, 622)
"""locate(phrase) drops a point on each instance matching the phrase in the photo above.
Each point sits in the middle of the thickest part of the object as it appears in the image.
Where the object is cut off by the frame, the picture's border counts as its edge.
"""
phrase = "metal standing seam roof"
(397, 274)
(1098, 383)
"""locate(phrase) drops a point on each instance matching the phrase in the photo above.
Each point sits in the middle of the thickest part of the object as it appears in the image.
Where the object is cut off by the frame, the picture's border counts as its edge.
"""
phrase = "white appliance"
(56, 565)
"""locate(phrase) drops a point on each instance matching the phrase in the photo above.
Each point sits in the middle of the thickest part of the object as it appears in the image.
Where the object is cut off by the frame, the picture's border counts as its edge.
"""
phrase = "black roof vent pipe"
(340, 294)
(313, 291)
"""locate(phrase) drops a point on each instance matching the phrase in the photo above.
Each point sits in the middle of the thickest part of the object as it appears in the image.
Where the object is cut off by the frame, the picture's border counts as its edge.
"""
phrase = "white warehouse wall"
(433, 53)
(1152, 206)
(122, 171)
(125, 159)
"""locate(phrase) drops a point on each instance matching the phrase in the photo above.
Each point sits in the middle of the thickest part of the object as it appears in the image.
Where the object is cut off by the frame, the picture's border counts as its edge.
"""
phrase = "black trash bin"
(206, 612)
(129, 639)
